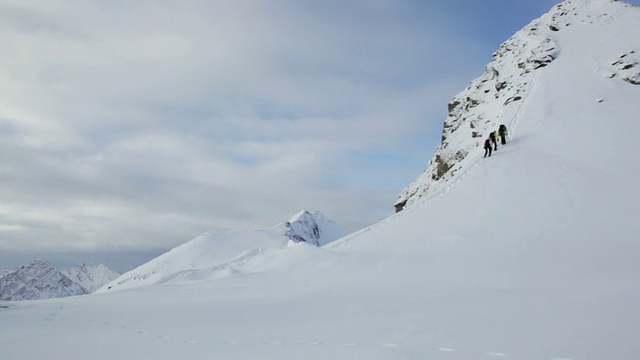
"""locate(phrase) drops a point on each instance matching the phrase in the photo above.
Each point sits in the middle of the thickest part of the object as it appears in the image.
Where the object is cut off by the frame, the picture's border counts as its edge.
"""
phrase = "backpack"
(503, 129)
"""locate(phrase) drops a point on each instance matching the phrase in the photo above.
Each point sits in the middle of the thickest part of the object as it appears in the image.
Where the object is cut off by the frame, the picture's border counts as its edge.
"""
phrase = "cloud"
(141, 124)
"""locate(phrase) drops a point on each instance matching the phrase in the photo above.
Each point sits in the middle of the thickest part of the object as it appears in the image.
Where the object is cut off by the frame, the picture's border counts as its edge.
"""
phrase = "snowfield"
(529, 254)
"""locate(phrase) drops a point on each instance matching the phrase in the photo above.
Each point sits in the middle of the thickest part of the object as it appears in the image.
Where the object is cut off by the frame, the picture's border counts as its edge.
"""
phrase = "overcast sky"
(127, 127)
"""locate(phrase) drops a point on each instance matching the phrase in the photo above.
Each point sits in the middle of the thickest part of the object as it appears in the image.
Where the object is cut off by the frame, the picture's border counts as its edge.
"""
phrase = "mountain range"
(41, 280)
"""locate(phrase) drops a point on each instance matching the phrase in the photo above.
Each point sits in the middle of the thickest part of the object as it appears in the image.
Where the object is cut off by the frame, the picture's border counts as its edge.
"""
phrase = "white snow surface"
(215, 255)
(91, 276)
(529, 254)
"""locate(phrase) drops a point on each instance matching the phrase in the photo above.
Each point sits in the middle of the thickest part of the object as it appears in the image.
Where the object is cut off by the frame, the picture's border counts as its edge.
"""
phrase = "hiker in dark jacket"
(494, 139)
(487, 146)
(503, 133)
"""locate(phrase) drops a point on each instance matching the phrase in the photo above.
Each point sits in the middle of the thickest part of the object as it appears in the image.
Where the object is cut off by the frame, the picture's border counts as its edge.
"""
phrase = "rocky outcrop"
(313, 228)
(627, 67)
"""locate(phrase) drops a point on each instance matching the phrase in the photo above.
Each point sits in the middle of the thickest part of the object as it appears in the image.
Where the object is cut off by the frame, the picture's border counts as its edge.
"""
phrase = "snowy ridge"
(91, 276)
(214, 255)
(37, 280)
(497, 96)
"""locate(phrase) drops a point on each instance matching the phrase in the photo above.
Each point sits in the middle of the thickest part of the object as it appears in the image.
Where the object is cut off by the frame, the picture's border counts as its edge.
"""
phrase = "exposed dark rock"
(452, 105)
(399, 206)
(442, 167)
(633, 81)
(512, 99)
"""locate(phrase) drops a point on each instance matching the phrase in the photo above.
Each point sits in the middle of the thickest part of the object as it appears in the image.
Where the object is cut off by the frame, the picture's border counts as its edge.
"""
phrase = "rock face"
(497, 96)
(90, 276)
(38, 280)
(627, 66)
(313, 228)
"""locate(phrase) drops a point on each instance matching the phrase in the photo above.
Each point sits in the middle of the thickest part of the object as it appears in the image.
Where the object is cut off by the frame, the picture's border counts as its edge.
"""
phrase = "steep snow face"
(91, 276)
(38, 280)
(500, 94)
(214, 255)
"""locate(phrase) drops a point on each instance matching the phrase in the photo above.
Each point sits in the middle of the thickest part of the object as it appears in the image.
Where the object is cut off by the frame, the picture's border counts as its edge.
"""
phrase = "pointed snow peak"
(91, 276)
(304, 227)
(36, 267)
(313, 228)
(306, 215)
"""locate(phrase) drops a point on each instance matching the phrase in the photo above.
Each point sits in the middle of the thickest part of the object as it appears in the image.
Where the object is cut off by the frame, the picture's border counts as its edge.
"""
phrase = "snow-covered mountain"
(91, 276)
(37, 280)
(529, 254)
(4, 272)
(213, 255)
(500, 94)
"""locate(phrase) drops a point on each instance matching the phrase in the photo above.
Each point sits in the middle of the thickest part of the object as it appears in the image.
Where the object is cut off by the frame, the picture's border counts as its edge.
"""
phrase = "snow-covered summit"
(91, 276)
(213, 255)
(500, 94)
(37, 280)
(313, 228)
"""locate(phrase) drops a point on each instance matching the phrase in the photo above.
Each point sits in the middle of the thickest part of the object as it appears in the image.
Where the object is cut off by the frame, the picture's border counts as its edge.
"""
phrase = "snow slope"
(215, 255)
(529, 254)
(500, 94)
(91, 276)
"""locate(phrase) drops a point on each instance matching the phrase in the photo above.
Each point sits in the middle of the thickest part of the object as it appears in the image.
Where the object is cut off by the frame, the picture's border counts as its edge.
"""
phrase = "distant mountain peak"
(37, 280)
(309, 227)
(91, 276)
